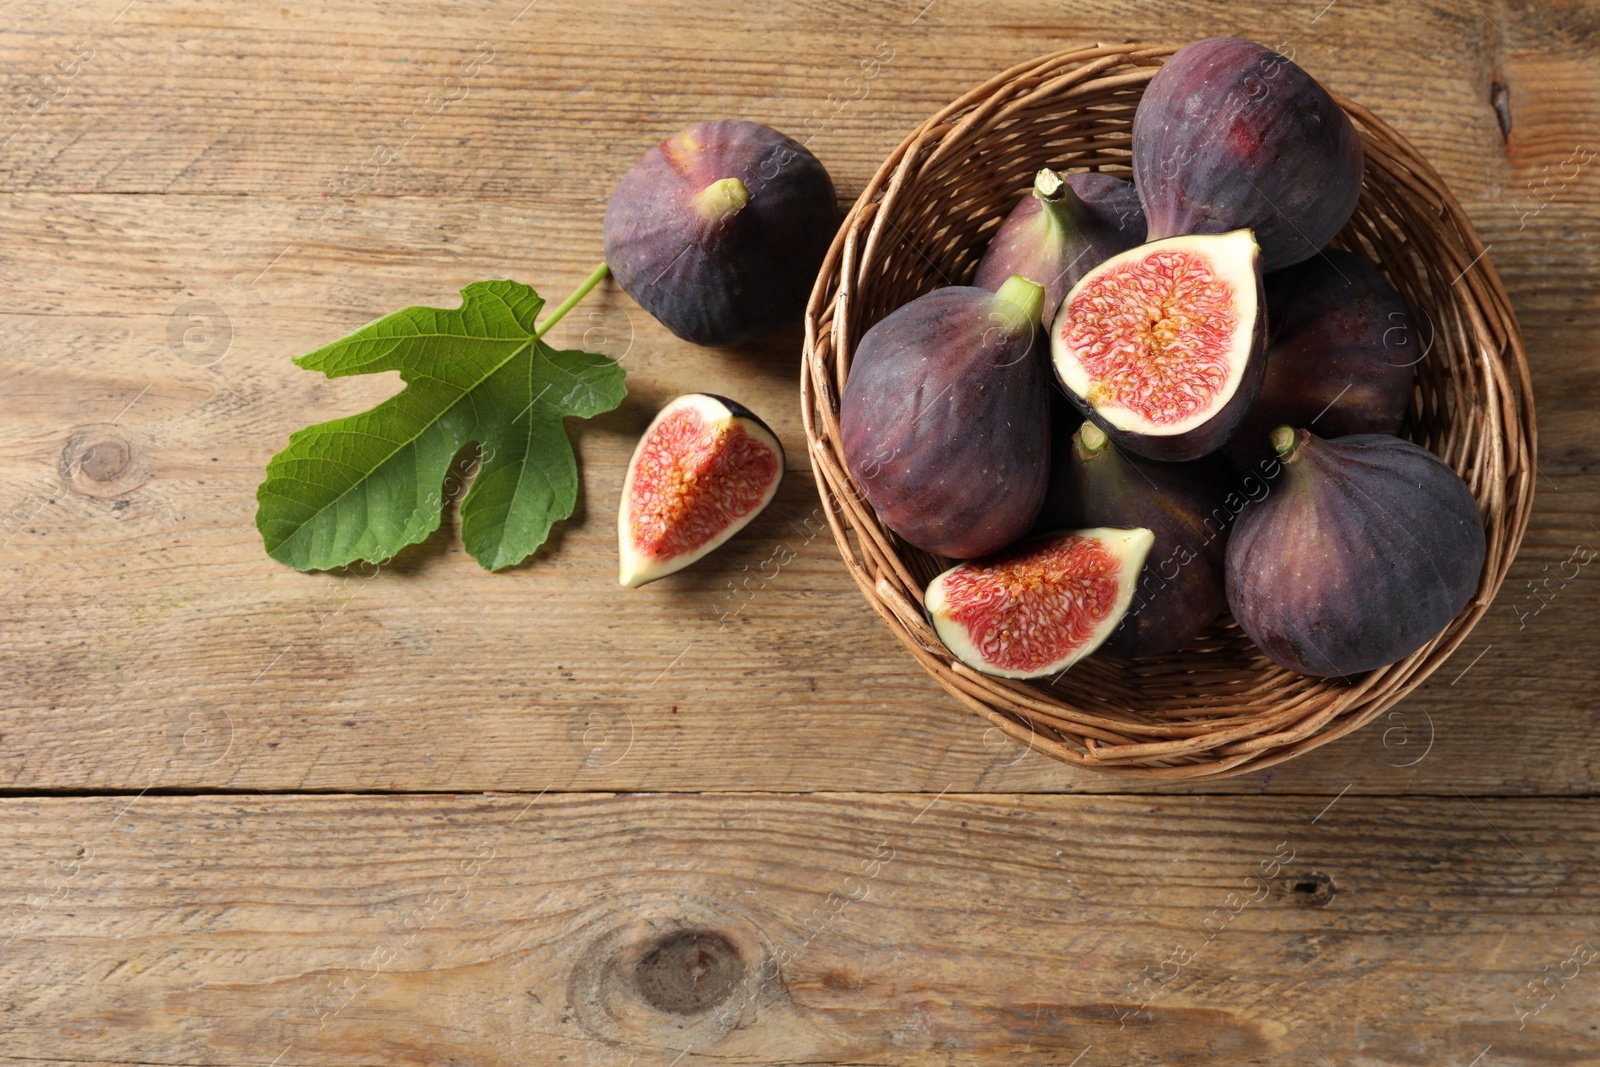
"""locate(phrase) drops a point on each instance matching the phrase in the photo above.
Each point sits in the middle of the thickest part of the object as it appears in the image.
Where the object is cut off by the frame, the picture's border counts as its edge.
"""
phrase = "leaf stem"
(571, 302)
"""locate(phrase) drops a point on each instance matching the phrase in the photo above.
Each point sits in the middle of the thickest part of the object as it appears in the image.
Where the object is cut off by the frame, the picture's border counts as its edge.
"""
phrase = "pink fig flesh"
(702, 470)
(1163, 346)
(1039, 607)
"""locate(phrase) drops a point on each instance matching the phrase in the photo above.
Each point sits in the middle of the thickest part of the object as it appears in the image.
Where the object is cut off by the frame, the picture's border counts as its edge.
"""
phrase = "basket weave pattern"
(1218, 707)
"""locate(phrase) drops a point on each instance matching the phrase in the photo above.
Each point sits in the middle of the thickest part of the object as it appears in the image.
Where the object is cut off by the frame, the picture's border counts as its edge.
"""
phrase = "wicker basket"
(1218, 707)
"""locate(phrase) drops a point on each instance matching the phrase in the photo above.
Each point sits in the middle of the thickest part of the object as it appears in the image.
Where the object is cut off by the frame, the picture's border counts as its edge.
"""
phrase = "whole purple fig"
(1180, 588)
(1061, 230)
(944, 423)
(1229, 135)
(1340, 355)
(1362, 552)
(718, 231)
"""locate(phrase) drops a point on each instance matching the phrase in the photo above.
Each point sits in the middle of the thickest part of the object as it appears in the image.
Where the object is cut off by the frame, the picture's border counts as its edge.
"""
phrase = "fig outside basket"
(1218, 707)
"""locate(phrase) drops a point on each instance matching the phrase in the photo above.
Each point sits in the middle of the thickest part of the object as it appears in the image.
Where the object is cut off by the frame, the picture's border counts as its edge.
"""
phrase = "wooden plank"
(848, 928)
(143, 611)
(181, 170)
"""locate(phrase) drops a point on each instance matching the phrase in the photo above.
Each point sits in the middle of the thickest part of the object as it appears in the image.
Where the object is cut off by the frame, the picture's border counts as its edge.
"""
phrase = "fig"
(1180, 589)
(704, 468)
(1042, 605)
(1340, 356)
(1163, 346)
(1231, 135)
(1059, 231)
(719, 231)
(1363, 551)
(944, 422)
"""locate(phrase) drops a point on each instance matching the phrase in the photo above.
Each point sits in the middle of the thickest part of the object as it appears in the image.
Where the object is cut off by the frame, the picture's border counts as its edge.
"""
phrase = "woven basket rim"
(1254, 732)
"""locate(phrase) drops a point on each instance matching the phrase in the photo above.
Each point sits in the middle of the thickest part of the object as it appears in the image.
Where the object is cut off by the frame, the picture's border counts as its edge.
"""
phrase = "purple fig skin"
(1341, 356)
(1180, 590)
(945, 423)
(1363, 551)
(1053, 240)
(718, 270)
(1230, 134)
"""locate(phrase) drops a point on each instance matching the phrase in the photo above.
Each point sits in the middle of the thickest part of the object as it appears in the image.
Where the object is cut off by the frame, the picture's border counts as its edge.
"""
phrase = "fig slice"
(704, 468)
(1364, 550)
(1040, 606)
(1164, 346)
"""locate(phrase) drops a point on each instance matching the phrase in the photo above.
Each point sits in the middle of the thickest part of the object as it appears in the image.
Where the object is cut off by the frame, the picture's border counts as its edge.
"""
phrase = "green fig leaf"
(364, 487)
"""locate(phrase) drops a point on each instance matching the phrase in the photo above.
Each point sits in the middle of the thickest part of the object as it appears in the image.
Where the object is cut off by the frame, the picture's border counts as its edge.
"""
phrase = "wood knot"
(688, 972)
(1313, 889)
(672, 968)
(101, 461)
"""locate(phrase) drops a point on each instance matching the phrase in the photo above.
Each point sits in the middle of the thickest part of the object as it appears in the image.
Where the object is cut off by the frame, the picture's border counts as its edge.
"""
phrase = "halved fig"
(705, 467)
(1163, 346)
(1040, 606)
(1180, 589)
(944, 422)
(1363, 551)
(1061, 230)
(1230, 134)
(718, 231)
(1340, 359)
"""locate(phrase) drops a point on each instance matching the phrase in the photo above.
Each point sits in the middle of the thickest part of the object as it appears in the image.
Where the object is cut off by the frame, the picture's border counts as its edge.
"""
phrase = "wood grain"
(754, 929)
(745, 830)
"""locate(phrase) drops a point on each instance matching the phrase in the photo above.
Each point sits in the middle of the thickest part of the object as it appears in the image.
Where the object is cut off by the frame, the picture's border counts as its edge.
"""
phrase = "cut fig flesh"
(1037, 608)
(702, 471)
(1156, 342)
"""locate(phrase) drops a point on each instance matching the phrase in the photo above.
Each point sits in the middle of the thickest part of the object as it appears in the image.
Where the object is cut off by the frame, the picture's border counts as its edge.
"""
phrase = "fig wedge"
(704, 468)
(1042, 605)
(1164, 346)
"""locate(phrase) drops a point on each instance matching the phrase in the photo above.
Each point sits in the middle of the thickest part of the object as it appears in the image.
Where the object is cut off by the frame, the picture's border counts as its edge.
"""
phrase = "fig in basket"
(1163, 346)
(944, 423)
(1040, 606)
(1362, 553)
(1341, 357)
(718, 231)
(1231, 135)
(1059, 231)
(1180, 589)
(705, 467)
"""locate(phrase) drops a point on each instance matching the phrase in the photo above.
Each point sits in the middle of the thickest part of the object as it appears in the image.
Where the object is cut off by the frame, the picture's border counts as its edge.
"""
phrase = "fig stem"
(1019, 302)
(1286, 441)
(722, 198)
(594, 279)
(1047, 185)
(1091, 439)
(1062, 207)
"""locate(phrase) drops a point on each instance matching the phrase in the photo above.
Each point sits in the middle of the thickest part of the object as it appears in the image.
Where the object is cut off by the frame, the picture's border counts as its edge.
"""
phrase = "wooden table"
(439, 816)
